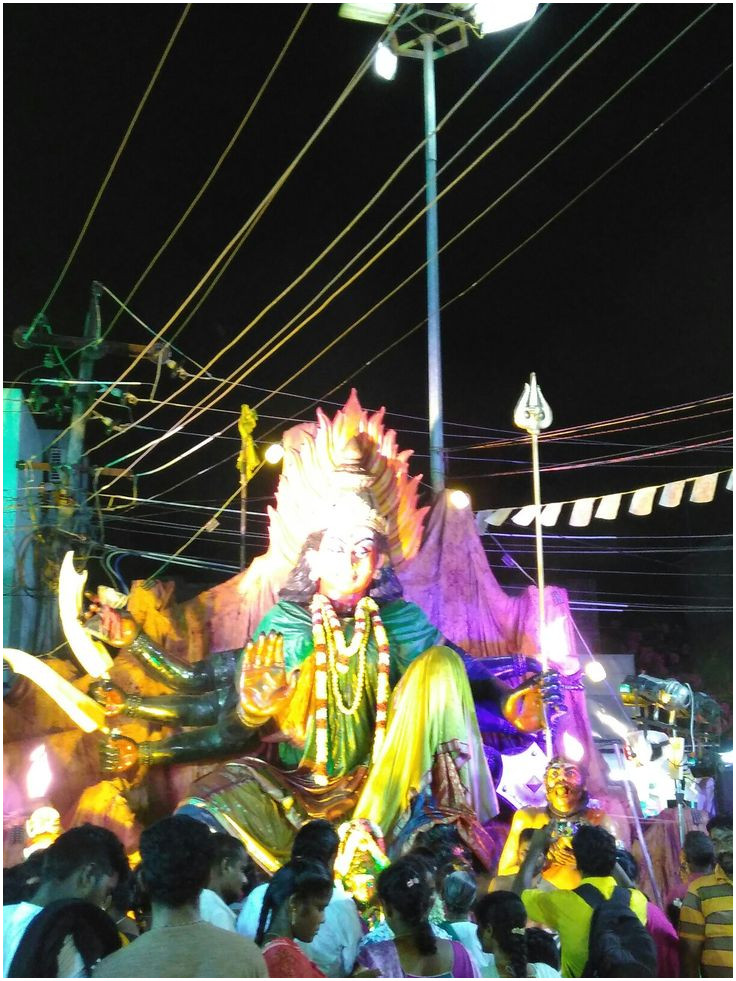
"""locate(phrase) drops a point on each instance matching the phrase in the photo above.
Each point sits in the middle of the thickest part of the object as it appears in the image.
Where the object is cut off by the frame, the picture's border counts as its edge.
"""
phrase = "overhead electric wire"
(392, 177)
(336, 240)
(606, 460)
(111, 168)
(213, 173)
(274, 347)
(482, 214)
(477, 282)
(255, 214)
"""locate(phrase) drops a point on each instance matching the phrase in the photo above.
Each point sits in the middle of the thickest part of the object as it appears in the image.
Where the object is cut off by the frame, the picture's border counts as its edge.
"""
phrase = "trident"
(533, 414)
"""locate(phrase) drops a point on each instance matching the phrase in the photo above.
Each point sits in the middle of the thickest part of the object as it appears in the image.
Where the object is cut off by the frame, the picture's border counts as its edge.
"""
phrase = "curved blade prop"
(92, 656)
(81, 709)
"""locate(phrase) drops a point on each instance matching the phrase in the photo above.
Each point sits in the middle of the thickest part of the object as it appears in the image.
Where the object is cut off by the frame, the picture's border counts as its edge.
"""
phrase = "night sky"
(622, 305)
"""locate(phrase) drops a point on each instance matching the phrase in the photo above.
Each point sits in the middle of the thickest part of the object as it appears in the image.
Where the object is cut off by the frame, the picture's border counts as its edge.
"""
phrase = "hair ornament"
(412, 882)
(519, 931)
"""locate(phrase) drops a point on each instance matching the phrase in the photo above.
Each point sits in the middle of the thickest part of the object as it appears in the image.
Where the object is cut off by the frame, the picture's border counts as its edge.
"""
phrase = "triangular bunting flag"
(729, 482)
(497, 517)
(642, 500)
(525, 516)
(672, 494)
(704, 488)
(550, 514)
(608, 507)
(582, 511)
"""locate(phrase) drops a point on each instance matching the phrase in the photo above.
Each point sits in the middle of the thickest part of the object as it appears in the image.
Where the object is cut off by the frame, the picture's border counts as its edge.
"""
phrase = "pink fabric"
(662, 838)
(665, 940)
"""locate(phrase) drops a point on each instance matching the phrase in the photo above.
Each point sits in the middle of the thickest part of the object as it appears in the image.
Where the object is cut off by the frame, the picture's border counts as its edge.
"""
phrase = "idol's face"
(564, 785)
(345, 563)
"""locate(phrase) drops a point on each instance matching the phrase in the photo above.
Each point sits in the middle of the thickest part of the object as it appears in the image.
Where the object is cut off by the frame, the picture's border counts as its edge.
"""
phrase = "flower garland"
(333, 658)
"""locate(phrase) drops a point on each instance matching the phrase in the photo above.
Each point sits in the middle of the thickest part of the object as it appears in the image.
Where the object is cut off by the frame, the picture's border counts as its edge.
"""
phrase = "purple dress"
(384, 958)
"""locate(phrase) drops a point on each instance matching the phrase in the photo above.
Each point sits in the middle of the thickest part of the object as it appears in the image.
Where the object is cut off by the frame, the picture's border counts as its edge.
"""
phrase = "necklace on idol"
(333, 658)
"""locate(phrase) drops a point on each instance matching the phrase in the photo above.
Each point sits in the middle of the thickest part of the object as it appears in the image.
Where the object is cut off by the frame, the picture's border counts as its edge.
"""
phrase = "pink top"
(665, 940)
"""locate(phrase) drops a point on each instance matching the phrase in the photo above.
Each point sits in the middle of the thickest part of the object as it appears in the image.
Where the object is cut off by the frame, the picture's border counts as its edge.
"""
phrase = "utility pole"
(76, 518)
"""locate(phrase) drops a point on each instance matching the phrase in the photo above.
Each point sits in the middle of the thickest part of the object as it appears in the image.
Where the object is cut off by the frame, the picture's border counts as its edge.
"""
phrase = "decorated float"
(367, 668)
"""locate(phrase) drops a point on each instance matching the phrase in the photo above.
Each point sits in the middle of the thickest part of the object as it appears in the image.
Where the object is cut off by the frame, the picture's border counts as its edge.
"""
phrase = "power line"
(221, 159)
(109, 173)
(243, 230)
(274, 347)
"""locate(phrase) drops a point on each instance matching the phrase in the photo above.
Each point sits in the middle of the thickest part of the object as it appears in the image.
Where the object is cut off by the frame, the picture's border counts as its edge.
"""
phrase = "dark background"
(622, 305)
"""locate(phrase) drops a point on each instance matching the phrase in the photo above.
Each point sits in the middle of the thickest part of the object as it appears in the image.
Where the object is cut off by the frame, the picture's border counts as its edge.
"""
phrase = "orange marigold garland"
(333, 657)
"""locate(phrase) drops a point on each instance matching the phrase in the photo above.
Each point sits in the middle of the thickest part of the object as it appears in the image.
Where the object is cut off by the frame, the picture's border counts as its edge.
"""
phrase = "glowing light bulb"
(459, 499)
(595, 671)
(572, 747)
(274, 454)
(385, 62)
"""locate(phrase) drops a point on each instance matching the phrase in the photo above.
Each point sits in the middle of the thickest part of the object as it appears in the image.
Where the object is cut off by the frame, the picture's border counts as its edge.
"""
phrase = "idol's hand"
(110, 696)
(263, 686)
(118, 754)
(560, 853)
(525, 706)
(112, 626)
(552, 695)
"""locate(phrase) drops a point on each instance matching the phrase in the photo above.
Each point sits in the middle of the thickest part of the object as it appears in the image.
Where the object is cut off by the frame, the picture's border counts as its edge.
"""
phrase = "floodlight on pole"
(428, 32)
(492, 15)
(385, 62)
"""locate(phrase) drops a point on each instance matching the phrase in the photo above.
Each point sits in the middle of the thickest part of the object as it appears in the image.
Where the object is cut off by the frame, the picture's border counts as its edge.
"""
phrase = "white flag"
(582, 511)
(729, 482)
(608, 507)
(672, 494)
(642, 500)
(704, 488)
(525, 516)
(550, 514)
(497, 517)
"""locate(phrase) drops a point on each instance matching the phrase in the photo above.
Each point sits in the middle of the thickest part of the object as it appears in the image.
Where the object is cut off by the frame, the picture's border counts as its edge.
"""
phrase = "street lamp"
(430, 33)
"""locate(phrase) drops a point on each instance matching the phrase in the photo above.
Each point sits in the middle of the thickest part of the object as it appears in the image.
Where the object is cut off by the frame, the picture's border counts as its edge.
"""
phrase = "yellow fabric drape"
(247, 458)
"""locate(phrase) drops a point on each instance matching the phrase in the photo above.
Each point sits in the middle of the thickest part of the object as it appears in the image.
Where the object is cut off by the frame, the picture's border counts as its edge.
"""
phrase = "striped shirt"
(707, 917)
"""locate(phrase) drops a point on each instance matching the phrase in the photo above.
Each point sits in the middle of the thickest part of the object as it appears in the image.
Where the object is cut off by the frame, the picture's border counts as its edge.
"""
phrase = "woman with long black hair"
(415, 952)
(501, 919)
(293, 909)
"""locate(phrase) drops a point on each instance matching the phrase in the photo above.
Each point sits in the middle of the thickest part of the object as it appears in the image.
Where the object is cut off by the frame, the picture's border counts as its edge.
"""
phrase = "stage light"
(274, 454)
(459, 499)
(493, 15)
(595, 671)
(385, 62)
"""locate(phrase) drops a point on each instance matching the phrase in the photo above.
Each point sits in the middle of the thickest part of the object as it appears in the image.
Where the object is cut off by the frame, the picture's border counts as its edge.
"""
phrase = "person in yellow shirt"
(706, 916)
(564, 910)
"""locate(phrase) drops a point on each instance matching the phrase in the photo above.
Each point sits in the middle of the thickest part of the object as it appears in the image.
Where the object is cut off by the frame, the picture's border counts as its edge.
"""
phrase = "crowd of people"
(194, 907)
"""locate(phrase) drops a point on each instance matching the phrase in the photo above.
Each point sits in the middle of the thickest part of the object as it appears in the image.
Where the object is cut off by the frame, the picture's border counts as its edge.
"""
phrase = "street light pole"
(431, 32)
(434, 344)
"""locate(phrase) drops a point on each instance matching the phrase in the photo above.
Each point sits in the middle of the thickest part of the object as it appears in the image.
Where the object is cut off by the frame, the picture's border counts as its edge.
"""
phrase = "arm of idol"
(184, 710)
(524, 706)
(120, 630)
(262, 691)
(532, 860)
(227, 738)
